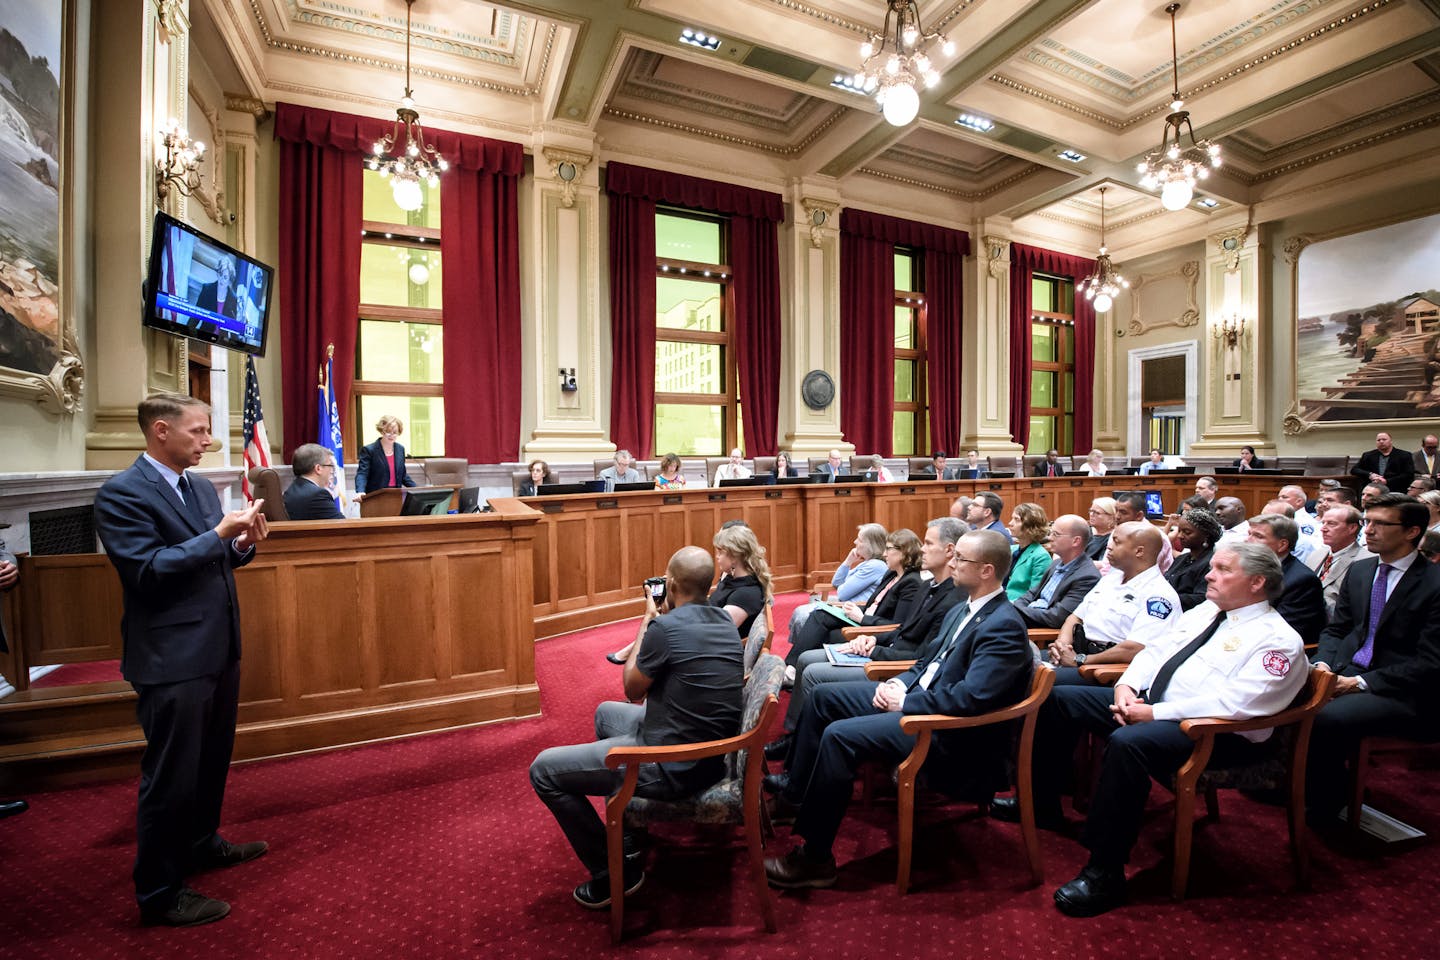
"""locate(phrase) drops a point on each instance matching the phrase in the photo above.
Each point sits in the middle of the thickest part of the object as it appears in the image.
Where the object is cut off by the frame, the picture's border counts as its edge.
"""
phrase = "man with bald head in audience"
(1386, 464)
(1130, 606)
(1302, 600)
(1230, 511)
(1427, 458)
(687, 667)
(1073, 574)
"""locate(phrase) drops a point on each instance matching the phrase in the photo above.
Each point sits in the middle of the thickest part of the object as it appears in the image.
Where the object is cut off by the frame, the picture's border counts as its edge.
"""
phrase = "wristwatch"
(1080, 659)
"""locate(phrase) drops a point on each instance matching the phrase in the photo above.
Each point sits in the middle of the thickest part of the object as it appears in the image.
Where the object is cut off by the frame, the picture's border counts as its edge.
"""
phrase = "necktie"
(192, 501)
(1162, 679)
(880, 595)
(1325, 567)
(1377, 609)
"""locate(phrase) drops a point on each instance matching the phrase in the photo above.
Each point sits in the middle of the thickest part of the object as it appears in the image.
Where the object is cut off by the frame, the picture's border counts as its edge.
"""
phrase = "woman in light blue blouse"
(857, 574)
(1029, 560)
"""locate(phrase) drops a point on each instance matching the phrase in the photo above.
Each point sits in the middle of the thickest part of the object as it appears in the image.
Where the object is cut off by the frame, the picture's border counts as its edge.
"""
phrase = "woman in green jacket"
(1029, 559)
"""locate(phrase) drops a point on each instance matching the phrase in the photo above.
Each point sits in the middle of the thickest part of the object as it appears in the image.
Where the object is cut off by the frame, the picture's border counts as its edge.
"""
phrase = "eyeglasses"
(1365, 522)
(967, 560)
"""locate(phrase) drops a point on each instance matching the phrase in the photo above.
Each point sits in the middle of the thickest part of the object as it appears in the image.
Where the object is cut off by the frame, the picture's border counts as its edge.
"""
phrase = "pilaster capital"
(819, 214)
(567, 166)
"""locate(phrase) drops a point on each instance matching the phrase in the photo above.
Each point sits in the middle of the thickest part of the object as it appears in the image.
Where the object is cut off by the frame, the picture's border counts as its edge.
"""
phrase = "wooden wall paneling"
(325, 632)
(606, 535)
(471, 635)
(411, 595)
(71, 612)
(542, 558)
(573, 549)
(640, 553)
(265, 593)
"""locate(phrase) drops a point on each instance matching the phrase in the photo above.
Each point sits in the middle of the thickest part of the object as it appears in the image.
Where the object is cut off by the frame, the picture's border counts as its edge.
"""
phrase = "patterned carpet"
(437, 847)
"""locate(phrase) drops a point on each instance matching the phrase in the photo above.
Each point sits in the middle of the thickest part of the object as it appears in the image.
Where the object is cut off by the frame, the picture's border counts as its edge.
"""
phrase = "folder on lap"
(836, 654)
(835, 612)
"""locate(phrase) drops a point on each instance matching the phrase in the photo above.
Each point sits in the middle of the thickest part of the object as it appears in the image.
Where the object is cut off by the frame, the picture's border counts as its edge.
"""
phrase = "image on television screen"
(203, 289)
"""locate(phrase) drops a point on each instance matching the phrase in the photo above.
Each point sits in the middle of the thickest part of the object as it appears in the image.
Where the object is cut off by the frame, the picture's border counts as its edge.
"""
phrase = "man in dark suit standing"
(1302, 600)
(1384, 643)
(983, 662)
(1386, 464)
(1073, 574)
(9, 576)
(174, 549)
(1427, 458)
(309, 497)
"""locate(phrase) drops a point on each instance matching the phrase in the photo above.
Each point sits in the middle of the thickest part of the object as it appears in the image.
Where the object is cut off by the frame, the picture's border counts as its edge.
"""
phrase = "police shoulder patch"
(1158, 607)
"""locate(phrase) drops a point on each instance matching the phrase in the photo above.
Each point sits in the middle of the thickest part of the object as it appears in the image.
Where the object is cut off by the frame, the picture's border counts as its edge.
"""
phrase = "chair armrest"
(885, 669)
(1105, 674)
(1042, 637)
(939, 721)
(621, 756)
(850, 633)
(1322, 688)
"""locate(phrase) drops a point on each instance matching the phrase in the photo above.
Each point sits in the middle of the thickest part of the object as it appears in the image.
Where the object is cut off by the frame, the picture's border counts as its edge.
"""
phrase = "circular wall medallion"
(817, 390)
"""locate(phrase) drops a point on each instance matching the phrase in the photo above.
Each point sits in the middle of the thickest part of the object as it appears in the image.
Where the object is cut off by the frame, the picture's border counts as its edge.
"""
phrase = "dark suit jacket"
(951, 472)
(827, 475)
(1187, 576)
(1256, 463)
(1072, 588)
(1399, 471)
(5, 557)
(1420, 465)
(207, 300)
(305, 500)
(897, 604)
(919, 628)
(1406, 659)
(1302, 604)
(181, 619)
(1047, 469)
(1099, 543)
(373, 473)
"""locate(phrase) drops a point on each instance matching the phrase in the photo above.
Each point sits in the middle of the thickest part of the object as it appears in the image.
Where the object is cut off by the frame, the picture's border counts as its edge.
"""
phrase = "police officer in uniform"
(1132, 605)
(1233, 657)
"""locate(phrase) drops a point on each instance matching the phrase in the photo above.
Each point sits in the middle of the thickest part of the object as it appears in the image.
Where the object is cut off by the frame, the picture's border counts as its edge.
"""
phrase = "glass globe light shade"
(901, 105)
(407, 193)
(1103, 303)
(419, 274)
(1176, 195)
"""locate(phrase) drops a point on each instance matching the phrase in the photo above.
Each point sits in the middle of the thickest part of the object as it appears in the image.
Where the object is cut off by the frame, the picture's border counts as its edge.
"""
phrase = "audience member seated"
(1130, 606)
(898, 597)
(1308, 523)
(1370, 493)
(1051, 465)
(382, 464)
(960, 510)
(856, 577)
(973, 462)
(1102, 522)
(783, 467)
(985, 512)
(1427, 458)
(687, 667)
(1232, 658)
(1340, 529)
(309, 497)
(734, 470)
(1030, 529)
(983, 664)
(1094, 464)
(1430, 546)
(1130, 507)
(1207, 489)
(1247, 460)
(830, 469)
(1230, 511)
(1309, 550)
(1156, 462)
(1420, 485)
(622, 472)
(1302, 602)
(878, 472)
(540, 475)
(670, 475)
(1386, 464)
(1197, 531)
(1384, 643)
(1070, 578)
(1431, 499)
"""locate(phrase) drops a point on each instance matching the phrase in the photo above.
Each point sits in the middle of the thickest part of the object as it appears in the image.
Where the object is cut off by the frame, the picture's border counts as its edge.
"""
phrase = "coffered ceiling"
(1286, 86)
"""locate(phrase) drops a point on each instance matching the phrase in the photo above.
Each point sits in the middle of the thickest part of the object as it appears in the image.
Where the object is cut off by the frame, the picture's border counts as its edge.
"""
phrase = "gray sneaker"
(190, 909)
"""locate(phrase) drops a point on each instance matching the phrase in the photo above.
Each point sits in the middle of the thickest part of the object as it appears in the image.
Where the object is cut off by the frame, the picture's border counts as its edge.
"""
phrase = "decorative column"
(987, 337)
(566, 390)
(810, 340)
(1236, 346)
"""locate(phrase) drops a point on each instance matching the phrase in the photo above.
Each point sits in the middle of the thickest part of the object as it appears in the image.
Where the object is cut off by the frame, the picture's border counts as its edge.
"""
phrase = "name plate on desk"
(907, 490)
(551, 506)
(842, 491)
(774, 494)
(607, 504)
(672, 498)
(717, 496)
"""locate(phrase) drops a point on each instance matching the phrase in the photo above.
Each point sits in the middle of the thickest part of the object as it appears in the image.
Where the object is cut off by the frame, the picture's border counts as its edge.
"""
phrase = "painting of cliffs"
(1367, 339)
(30, 37)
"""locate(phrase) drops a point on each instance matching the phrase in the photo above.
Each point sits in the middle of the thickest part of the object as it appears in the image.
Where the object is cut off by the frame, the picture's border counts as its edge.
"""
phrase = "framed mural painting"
(1367, 327)
(39, 352)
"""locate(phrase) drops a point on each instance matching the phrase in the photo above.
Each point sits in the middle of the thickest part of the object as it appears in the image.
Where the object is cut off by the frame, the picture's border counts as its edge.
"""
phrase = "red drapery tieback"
(321, 201)
(1025, 262)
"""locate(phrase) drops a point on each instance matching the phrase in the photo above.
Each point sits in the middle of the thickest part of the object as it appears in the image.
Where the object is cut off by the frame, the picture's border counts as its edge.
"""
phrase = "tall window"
(1052, 377)
(697, 394)
(1162, 402)
(400, 358)
(910, 428)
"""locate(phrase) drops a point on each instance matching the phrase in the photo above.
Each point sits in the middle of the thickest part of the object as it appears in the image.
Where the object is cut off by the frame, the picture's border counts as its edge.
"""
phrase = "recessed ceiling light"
(1072, 155)
(697, 39)
(1207, 203)
(846, 81)
(972, 122)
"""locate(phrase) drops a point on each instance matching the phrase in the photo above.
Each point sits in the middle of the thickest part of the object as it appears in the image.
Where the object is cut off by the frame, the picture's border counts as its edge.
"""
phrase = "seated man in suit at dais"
(309, 497)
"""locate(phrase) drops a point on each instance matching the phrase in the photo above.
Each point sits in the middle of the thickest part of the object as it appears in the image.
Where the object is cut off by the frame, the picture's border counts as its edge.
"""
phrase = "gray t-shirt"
(696, 664)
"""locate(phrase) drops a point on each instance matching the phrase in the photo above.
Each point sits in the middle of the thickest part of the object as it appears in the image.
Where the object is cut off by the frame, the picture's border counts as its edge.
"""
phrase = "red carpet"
(437, 847)
(97, 671)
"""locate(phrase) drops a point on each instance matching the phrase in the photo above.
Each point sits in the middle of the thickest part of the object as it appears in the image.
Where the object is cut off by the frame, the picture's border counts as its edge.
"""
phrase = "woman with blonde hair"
(382, 463)
(1030, 560)
(856, 576)
(1102, 524)
(1094, 464)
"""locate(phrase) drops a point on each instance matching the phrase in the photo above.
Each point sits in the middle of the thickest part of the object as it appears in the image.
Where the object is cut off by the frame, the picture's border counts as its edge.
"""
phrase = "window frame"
(1064, 323)
(919, 354)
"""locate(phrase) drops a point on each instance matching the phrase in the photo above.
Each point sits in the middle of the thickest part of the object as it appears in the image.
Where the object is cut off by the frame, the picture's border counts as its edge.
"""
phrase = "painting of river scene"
(30, 109)
(1367, 340)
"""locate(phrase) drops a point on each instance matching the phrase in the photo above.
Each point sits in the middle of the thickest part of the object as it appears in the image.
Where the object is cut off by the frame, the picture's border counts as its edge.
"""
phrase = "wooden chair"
(265, 485)
(764, 465)
(762, 631)
(1288, 768)
(920, 468)
(1368, 749)
(922, 727)
(735, 799)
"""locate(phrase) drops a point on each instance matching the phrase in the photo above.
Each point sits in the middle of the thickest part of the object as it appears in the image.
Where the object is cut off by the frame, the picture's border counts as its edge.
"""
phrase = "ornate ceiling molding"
(641, 83)
(1423, 123)
(928, 160)
(244, 103)
(972, 195)
(468, 46)
(777, 149)
(1261, 156)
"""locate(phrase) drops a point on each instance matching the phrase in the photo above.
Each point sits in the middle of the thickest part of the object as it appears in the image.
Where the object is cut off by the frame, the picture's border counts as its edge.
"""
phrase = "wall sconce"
(1231, 329)
(181, 164)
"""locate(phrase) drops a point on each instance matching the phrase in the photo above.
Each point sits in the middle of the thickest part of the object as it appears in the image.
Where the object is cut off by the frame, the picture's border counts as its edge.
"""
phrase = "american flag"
(257, 444)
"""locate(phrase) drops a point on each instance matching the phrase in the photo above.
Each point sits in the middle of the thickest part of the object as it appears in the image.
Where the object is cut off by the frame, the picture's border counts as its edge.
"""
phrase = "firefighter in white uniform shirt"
(1132, 605)
(1232, 657)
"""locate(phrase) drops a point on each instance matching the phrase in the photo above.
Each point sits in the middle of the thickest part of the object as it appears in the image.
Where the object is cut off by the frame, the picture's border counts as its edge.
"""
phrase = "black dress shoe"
(795, 871)
(617, 660)
(1008, 810)
(190, 909)
(229, 854)
(1095, 891)
(779, 749)
(776, 783)
(594, 894)
(11, 807)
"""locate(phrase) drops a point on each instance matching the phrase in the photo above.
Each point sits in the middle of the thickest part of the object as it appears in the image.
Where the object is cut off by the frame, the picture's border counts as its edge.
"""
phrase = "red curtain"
(320, 217)
(755, 292)
(632, 323)
(867, 319)
(1025, 263)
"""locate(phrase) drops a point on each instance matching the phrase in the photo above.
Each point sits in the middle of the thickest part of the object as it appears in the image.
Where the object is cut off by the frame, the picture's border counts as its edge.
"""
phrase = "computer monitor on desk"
(423, 501)
(744, 482)
(635, 487)
(793, 480)
(551, 489)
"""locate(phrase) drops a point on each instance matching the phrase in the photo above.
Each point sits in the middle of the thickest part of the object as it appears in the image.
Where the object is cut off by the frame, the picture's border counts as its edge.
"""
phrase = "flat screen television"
(423, 501)
(200, 288)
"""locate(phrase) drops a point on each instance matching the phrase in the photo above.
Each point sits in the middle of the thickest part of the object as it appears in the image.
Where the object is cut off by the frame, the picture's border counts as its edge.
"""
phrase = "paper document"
(835, 612)
(837, 654)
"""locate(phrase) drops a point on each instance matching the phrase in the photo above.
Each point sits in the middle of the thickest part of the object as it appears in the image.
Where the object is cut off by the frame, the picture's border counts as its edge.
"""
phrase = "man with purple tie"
(1384, 643)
